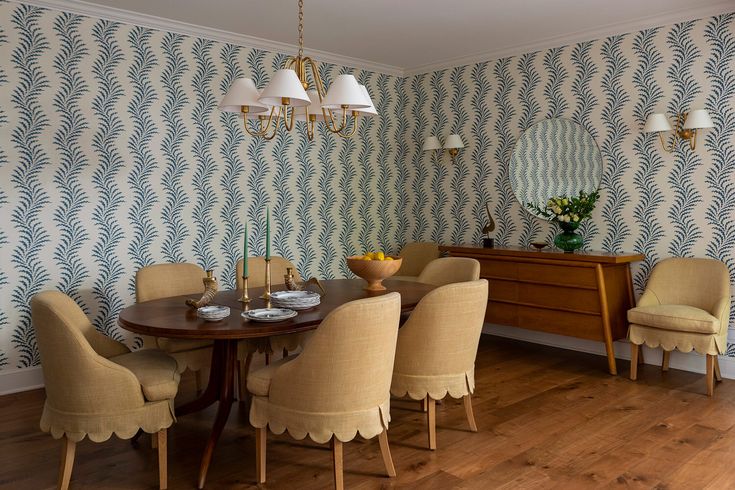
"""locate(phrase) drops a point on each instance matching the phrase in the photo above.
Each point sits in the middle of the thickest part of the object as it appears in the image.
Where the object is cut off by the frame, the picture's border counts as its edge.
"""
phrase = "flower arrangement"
(568, 209)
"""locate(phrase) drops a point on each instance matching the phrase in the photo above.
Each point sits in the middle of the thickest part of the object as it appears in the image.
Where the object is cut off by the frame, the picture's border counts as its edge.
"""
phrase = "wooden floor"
(548, 418)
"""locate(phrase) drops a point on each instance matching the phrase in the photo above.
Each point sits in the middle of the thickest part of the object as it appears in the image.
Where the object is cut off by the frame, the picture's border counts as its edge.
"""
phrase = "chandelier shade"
(345, 93)
(698, 119)
(315, 109)
(366, 111)
(285, 88)
(242, 93)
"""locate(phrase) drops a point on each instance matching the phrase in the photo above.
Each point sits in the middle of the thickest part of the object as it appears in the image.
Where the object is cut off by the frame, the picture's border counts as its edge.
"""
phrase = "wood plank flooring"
(547, 418)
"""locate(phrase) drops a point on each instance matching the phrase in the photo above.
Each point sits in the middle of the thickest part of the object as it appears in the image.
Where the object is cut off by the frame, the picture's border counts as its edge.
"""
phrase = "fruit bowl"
(374, 271)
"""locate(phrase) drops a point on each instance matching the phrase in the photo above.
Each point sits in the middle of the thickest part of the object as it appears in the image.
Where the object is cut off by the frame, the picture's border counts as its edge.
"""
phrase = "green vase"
(568, 240)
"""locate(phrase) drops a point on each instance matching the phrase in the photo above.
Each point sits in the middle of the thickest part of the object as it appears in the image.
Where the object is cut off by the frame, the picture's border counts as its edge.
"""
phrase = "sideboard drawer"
(545, 295)
(558, 275)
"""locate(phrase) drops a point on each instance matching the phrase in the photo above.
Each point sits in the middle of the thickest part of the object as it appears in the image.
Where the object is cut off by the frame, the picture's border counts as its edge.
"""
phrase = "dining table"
(172, 318)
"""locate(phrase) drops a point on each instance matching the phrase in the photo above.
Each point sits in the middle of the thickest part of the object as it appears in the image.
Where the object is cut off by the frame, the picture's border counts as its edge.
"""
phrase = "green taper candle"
(267, 233)
(245, 253)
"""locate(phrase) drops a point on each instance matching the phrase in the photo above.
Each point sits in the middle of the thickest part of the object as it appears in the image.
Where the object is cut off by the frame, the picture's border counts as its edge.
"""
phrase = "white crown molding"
(159, 23)
(601, 32)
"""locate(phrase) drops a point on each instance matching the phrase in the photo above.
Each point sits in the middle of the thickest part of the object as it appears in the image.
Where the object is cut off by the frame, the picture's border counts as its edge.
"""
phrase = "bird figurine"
(210, 290)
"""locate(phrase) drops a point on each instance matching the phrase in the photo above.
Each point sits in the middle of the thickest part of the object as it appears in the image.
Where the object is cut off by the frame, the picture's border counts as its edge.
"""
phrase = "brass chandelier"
(289, 97)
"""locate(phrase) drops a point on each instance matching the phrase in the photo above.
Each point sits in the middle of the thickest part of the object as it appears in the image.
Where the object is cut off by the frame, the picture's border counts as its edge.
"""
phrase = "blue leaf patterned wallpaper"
(113, 155)
(653, 202)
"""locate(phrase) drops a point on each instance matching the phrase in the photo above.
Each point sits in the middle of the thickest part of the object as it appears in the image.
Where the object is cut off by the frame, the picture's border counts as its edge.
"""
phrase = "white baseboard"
(687, 361)
(15, 380)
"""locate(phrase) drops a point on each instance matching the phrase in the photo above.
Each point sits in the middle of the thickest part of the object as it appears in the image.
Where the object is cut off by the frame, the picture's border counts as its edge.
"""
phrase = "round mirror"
(555, 157)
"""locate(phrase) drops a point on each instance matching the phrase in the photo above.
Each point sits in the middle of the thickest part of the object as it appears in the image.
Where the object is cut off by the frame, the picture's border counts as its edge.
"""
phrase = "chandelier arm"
(289, 124)
(341, 134)
(263, 130)
(275, 126)
(329, 118)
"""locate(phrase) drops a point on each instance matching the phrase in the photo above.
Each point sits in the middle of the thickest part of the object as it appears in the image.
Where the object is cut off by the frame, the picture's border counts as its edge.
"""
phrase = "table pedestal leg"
(212, 392)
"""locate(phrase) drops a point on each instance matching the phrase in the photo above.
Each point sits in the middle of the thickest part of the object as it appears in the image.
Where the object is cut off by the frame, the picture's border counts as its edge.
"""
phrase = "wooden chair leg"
(710, 374)
(665, 361)
(260, 437)
(337, 458)
(68, 448)
(162, 459)
(385, 451)
(431, 421)
(634, 348)
(467, 399)
(718, 375)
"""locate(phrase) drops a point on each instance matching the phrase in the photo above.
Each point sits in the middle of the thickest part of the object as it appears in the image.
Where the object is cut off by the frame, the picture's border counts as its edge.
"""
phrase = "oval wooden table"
(170, 317)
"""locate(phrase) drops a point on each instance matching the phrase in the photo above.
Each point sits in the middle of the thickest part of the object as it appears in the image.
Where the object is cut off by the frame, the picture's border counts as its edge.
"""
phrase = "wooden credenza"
(583, 294)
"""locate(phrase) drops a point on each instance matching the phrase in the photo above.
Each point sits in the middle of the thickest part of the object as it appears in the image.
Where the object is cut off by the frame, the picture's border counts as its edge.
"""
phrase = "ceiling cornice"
(663, 19)
(160, 23)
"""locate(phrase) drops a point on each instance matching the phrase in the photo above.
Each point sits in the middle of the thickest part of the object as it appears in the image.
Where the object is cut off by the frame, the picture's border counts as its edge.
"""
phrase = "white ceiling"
(416, 35)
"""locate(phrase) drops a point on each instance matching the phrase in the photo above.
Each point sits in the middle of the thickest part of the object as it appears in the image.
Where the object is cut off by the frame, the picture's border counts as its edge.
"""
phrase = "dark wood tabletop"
(170, 317)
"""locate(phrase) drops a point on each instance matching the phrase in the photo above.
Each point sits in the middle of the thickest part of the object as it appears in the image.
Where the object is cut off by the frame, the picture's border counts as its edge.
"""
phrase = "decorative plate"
(269, 314)
(295, 300)
(213, 313)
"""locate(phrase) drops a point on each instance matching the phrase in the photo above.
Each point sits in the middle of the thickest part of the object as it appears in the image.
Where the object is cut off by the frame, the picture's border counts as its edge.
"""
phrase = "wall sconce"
(685, 129)
(452, 144)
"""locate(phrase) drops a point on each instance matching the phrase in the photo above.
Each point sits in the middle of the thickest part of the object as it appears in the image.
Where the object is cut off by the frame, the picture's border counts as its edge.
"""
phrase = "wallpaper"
(652, 202)
(113, 156)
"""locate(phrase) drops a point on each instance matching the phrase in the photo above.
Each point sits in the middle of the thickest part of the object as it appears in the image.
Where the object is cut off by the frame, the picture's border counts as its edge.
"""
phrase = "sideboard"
(582, 294)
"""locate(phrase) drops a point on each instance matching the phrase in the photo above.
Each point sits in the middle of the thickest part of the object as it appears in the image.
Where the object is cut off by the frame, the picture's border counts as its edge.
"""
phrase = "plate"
(213, 313)
(295, 296)
(269, 314)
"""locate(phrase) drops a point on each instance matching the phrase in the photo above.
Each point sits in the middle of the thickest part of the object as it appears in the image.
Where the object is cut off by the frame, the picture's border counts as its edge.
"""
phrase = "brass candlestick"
(267, 293)
(245, 298)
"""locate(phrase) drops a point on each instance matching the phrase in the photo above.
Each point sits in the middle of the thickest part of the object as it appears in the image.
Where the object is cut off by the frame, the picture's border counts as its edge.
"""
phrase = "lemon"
(380, 256)
(389, 258)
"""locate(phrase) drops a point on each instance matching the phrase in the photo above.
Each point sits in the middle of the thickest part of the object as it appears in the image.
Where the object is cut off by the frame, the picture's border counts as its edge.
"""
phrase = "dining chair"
(95, 386)
(280, 343)
(175, 279)
(447, 270)
(416, 255)
(685, 306)
(437, 346)
(337, 386)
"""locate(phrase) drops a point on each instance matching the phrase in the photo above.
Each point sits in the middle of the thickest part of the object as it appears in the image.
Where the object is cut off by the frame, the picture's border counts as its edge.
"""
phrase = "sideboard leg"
(606, 329)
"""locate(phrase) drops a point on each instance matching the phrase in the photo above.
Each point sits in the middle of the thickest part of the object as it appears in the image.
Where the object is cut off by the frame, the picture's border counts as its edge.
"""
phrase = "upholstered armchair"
(686, 305)
(338, 386)
(95, 386)
(448, 270)
(416, 255)
(437, 346)
(176, 279)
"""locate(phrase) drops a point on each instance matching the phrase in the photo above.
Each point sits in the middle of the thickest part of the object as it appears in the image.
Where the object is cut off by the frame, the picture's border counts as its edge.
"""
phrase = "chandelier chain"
(301, 28)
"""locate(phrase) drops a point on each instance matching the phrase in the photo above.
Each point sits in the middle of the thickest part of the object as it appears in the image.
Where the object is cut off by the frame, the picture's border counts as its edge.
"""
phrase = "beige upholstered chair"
(437, 347)
(686, 305)
(416, 255)
(166, 280)
(95, 386)
(338, 386)
(450, 269)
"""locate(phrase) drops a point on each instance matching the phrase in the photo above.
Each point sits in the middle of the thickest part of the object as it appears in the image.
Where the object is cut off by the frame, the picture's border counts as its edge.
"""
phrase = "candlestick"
(267, 233)
(245, 253)
(245, 298)
(267, 292)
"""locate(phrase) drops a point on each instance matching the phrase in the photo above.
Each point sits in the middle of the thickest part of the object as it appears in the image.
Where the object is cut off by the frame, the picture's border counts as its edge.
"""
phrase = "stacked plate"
(295, 300)
(213, 313)
(269, 314)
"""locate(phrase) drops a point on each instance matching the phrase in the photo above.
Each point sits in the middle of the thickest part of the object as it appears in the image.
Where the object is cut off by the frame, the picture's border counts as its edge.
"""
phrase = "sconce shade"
(370, 110)
(453, 141)
(657, 123)
(432, 143)
(242, 92)
(698, 119)
(285, 83)
(314, 109)
(345, 91)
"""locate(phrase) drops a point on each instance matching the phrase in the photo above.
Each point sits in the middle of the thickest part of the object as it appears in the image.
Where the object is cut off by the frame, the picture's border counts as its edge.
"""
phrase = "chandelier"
(292, 96)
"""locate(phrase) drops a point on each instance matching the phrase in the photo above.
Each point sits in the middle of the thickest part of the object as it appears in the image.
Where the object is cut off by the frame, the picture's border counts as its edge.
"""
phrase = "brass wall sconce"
(452, 144)
(685, 129)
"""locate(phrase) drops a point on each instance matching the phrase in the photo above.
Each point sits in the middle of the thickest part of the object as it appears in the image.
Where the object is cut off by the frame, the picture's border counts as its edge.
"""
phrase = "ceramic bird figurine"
(210, 290)
(490, 227)
(292, 285)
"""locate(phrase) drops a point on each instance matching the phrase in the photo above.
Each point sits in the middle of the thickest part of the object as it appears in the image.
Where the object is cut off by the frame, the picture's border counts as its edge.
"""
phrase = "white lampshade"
(432, 143)
(698, 119)
(370, 110)
(242, 93)
(656, 123)
(453, 141)
(345, 91)
(314, 109)
(284, 84)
